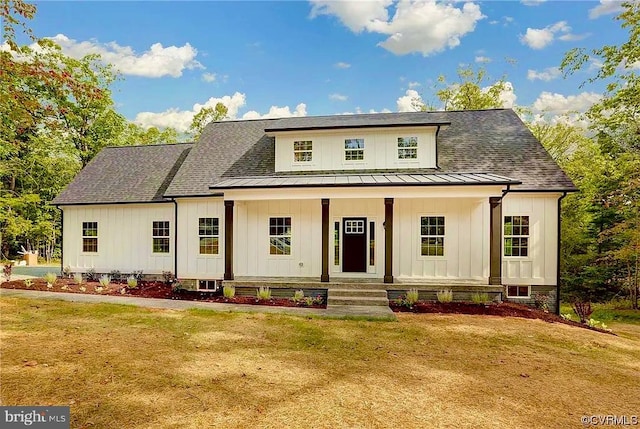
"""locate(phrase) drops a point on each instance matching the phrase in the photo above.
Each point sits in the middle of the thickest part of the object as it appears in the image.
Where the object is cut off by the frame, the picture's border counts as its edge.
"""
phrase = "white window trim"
(519, 297)
(97, 237)
(279, 257)
(444, 247)
(219, 236)
(346, 161)
(161, 236)
(529, 239)
(415, 160)
(204, 280)
(300, 151)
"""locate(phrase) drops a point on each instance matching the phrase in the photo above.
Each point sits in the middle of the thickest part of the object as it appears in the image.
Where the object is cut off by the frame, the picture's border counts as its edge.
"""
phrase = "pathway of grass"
(120, 366)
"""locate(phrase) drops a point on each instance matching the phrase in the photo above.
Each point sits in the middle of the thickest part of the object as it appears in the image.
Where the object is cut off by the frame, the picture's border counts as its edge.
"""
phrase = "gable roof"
(491, 141)
(127, 174)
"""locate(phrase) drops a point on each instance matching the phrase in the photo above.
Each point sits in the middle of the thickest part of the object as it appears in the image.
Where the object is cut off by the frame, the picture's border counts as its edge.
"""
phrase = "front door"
(354, 245)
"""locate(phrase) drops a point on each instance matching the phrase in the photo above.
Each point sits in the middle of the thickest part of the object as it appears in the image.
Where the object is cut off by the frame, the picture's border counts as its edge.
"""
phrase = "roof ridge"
(149, 145)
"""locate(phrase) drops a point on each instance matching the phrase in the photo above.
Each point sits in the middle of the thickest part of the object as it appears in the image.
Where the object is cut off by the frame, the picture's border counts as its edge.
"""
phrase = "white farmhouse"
(465, 200)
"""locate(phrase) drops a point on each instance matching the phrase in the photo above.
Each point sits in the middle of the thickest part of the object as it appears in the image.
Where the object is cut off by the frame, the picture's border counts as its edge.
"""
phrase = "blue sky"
(327, 57)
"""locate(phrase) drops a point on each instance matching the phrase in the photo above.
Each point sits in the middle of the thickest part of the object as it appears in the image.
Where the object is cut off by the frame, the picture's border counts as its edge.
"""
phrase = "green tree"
(206, 115)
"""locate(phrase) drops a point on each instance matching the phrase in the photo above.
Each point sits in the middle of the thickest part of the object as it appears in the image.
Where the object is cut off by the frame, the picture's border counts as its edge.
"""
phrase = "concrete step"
(370, 293)
(358, 300)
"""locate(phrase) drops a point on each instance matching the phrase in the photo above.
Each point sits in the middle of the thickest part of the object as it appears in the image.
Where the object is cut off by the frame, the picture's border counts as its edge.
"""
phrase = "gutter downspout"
(175, 238)
(61, 240)
(436, 144)
(559, 240)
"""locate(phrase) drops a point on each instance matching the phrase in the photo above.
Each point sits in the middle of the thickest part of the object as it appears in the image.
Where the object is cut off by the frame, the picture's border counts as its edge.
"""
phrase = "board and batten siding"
(380, 149)
(466, 240)
(191, 264)
(539, 267)
(124, 238)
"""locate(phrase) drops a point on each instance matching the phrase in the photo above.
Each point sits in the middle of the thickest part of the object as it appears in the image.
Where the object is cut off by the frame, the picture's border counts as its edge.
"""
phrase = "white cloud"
(422, 26)
(569, 37)
(414, 85)
(482, 59)
(507, 96)
(209, 77)
(555, 103)
(606, 7)
(538, 38)
(494, 22)
(550, 73)
(338, 97)
(532, 2)
(157, 61)
(278, 112)
(409, 101)
(342, 65)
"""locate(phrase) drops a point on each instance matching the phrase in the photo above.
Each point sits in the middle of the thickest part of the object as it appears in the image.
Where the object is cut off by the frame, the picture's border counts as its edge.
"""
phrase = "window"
(432, 235)
(518, 292)
(209, 233)
(407, 147)
(354, 150)
(372, 243)
(210, 285)
(302, 151)
(354, 227)
(516, 235)
(90, 237)
(280, 235)
(336, 243)
(161, 236)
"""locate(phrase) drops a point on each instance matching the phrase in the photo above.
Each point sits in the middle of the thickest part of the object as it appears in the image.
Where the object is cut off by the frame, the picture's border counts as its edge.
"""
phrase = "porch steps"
(357, 297)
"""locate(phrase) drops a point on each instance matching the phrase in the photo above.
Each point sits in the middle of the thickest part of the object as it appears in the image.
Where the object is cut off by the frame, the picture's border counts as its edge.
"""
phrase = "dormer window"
(303, 151)
(354, 150)
(407, 147)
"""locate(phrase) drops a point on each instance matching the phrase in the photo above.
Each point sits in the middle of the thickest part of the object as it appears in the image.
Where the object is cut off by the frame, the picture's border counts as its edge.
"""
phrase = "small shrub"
(6, 271)
(82, 289)
(104, 280)
(480, 298)
(77, 278)
(412, 296)
(445, 295)
(168, 277)
(137, 275)
(567, 316)
(318, 300)
(264, 293)
(50, 278)
(115, 275)
(583, 310)
(132, 282)
(92, 276)
(298, 295)
(123, 291)
(64, 287)
(66, 271)
(99, 289)
(541, 301)
(229, 291)
(177, 286)
(28, 283)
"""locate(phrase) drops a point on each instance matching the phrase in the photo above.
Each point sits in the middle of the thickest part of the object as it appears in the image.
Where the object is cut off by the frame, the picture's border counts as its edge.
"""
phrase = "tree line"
(58, 113)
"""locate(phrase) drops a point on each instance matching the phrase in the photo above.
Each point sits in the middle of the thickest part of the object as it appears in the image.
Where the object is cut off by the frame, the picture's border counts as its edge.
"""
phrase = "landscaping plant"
(480, 298)
(132, 282)
(445, 295)
(298, 295)
(541, 301)
(264, 293)
(168, 277)
(583, 310)
(91, 275)
(115, 275)
(6, 271)
(66, 271)
(28, 283)
(77, 277)
(50, 278)
(229, 291)
(411, 297)
(104, 280)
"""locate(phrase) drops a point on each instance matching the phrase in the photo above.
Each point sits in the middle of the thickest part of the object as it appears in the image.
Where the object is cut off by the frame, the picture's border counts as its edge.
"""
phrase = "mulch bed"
(503, 309)
(147, 289)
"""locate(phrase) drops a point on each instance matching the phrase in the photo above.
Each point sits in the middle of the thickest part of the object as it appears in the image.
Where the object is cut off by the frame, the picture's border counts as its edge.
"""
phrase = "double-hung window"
(303, 151)
(90, 237)
(209, 235)
(161, 236)
(280, 235)
(432, 235)
(354, 150)
(407, 147)
(516, 235)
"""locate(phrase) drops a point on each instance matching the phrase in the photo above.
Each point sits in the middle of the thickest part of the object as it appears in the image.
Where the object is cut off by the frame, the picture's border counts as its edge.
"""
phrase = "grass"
(122, 366)
(609, 312)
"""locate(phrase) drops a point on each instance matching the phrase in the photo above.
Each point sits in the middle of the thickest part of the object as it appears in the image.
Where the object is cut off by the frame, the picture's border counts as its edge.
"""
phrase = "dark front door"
(354, 245)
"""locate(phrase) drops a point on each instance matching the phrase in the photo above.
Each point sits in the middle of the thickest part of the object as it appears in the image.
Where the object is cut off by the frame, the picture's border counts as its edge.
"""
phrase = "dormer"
(354, 145)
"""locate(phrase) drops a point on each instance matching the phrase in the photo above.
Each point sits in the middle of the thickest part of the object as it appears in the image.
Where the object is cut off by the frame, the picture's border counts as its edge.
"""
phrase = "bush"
(583, 310)
(132, 282)
(264, 293)
(298, 296)
(104, 280)
(50, 278)
(445, 295)
(229, 291)
(92, 276)
(28, 283)
(115, 275)
(67, 271)
(137, 275)
(411, 297)
(6, 271)
(77, 277)
(168, 277)
(541, 301)
(480, 298)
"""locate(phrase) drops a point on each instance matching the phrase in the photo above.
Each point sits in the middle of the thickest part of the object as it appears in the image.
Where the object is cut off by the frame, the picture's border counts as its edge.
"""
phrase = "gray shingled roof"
(477, 141)
(379, 179)
(128, 174)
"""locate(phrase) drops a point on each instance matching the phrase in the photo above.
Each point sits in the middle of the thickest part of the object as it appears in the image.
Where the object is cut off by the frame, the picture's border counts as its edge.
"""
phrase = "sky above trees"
(326, 57)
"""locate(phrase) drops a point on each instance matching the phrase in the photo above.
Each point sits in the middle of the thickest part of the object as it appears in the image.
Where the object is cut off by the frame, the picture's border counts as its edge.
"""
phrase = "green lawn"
(609, 312)
(127, 367)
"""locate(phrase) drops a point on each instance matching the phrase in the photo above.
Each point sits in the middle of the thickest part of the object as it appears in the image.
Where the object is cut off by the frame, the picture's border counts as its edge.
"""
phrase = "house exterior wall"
(192, 264)
(380, 149)
(539, 267)
(124, 238)
(466, 240)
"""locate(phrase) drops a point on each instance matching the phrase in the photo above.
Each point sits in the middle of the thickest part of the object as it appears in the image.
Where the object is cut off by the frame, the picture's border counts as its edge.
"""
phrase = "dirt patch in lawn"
(503, 309)
(152, 290)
